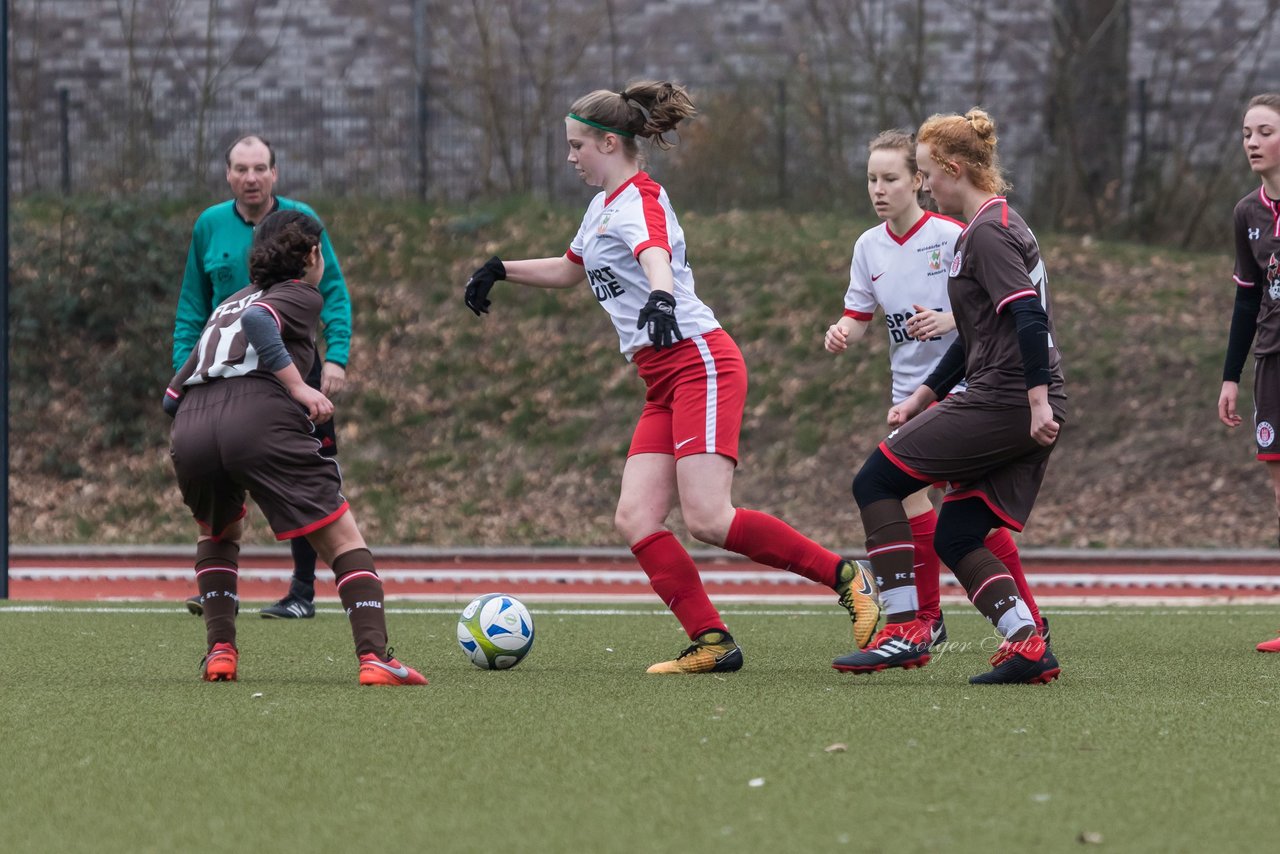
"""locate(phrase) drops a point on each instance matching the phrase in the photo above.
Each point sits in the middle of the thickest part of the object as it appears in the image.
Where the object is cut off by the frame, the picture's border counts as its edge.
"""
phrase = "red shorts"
(695, 395)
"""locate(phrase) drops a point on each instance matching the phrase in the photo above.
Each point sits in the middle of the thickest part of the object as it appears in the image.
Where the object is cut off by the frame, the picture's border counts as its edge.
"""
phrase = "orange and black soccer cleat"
(856, 586)
(375, 671)
(220, 664)
(711, 652)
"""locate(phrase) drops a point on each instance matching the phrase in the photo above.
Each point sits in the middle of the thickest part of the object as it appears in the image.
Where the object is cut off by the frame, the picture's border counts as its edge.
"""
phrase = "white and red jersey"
(899, 272)
(614, 231)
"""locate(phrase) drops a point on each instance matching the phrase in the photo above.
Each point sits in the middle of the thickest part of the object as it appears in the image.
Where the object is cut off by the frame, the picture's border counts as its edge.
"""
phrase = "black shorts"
(248, 435)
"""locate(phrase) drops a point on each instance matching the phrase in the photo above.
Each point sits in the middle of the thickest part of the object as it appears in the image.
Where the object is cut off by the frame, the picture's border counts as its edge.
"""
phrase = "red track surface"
(169, 578)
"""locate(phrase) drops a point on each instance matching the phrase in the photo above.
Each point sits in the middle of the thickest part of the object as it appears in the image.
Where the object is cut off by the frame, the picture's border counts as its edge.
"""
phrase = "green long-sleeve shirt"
(218, 266)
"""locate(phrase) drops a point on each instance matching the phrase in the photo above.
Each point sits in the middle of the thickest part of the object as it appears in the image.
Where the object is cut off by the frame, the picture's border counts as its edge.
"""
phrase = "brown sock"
(361, 593)
(216, 573)
(892, 551)
(994, 593)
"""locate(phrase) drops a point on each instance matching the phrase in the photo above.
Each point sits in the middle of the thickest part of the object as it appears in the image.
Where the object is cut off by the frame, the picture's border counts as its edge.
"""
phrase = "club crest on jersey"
(1266, 434)
(935, 259)
(604, 222)
(1273, 276)
(955, 262)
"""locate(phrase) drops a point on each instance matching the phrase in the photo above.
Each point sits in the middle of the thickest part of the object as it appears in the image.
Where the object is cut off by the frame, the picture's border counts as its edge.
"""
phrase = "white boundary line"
(614, 577)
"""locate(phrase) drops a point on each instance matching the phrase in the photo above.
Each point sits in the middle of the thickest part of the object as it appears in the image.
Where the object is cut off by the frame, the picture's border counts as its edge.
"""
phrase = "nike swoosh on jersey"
(680, 445)
(401, 671)
(876, 276)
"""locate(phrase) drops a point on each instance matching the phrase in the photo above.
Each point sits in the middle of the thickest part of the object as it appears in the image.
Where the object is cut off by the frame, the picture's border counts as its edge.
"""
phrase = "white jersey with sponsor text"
(899, 272)
(614, 231)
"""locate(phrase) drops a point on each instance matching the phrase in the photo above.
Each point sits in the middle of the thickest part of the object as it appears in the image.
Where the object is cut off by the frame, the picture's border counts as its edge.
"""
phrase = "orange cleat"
(1272, 645)
(220, 664)
(375, 671)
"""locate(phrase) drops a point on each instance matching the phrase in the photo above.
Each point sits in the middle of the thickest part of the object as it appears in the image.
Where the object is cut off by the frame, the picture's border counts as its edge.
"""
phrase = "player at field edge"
(1255, 319)
(901, 267)
(217, 266)
(244, 421)
(991, 443)
(630, 249)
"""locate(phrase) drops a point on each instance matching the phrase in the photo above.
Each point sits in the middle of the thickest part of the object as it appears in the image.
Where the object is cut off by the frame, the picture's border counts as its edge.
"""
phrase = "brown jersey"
(1257, 227)
(997, 261)
(223, 350)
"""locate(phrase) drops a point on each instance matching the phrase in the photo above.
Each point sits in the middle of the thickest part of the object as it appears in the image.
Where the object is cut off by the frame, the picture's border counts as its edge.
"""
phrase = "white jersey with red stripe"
(614, 231)
(896, 273)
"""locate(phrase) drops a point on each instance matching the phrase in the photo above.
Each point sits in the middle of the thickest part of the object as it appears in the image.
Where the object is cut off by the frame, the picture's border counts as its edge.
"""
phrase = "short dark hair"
(271, 152)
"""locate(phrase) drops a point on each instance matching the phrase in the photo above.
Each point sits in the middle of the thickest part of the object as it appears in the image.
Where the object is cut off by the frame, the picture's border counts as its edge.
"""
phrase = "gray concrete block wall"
(340, 75)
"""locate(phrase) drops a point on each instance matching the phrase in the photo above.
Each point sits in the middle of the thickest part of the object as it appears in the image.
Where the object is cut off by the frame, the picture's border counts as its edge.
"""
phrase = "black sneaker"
(904, 645)
(1028, 662)
(295, 606)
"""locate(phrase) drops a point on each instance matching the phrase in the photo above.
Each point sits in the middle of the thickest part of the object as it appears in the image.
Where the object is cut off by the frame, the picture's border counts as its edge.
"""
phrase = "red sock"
(1002, 545)
(675, 579)
(772, 542)
(928, 605)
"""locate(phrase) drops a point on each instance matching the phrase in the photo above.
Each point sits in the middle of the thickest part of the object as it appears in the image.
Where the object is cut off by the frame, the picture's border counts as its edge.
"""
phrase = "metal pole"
(782, 142)
(4, 297)
(64, 126)
(421, 58)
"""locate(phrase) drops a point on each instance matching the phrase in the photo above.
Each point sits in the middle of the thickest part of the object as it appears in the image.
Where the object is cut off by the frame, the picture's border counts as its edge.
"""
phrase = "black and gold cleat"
(712, 652)
(857, 588)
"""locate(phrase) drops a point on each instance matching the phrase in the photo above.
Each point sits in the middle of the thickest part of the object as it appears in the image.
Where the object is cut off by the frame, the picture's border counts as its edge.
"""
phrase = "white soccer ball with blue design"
(495, 631)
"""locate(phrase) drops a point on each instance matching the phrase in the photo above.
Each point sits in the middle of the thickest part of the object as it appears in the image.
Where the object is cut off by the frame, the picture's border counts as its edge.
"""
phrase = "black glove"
(170, 405)
(659, 314)
(477, 293)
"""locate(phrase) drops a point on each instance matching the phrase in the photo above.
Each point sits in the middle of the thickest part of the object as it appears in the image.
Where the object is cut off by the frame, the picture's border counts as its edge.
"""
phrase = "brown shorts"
(248, 435)
(980, 449)
(1266, 406)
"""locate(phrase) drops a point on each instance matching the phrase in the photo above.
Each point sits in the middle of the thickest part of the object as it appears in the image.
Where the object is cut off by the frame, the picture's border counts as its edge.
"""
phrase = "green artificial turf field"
(1161, 736)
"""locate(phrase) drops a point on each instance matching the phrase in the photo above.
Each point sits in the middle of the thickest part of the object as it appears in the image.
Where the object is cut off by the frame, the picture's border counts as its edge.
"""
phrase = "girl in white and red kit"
(630, 250)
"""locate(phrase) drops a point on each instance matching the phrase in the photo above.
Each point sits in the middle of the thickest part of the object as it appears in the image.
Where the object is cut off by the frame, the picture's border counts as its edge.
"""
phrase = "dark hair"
(897, 140)
(646, 108)
(1266, 99)
(281, 244)
(271, 152)
(970, 139)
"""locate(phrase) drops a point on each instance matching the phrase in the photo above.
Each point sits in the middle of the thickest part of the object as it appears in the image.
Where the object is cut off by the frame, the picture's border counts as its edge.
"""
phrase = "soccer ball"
(495, 631)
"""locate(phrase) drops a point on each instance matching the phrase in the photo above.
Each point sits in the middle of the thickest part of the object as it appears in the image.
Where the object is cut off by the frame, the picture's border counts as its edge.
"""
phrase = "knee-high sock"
(675, 579)
(1004, 547)
(993, 593)
(772, 542)
(927, 566)
(361, 592)
(217, 571)
(892, 553)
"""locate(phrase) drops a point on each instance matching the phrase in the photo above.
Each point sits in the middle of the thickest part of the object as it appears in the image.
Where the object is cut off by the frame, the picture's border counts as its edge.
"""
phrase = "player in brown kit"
(1256, 317)
(244, 422)
(992, 442)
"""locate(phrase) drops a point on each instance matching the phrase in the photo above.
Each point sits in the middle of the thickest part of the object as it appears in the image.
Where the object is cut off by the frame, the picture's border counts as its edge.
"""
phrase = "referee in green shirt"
(217, 267)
